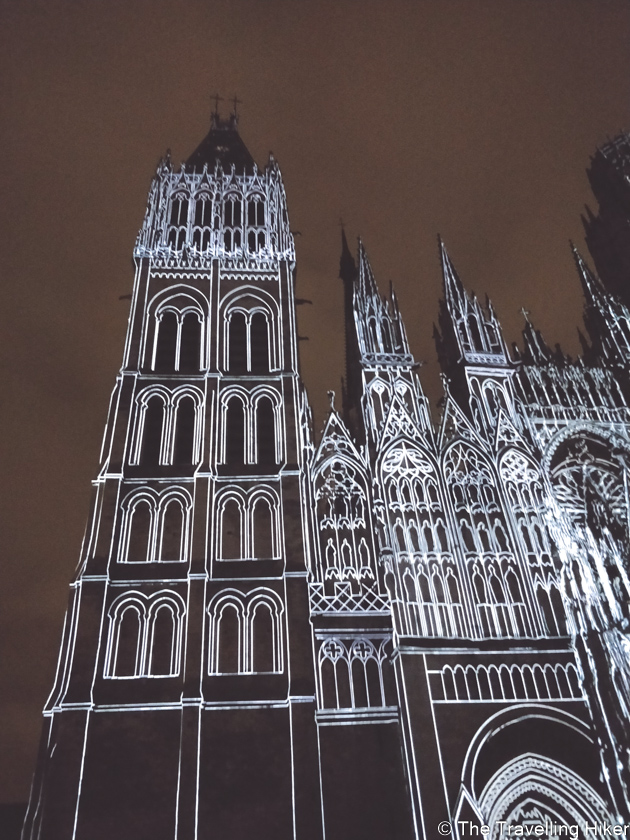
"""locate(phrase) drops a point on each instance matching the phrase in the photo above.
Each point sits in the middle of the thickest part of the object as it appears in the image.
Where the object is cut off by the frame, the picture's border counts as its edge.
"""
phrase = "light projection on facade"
(391, 628)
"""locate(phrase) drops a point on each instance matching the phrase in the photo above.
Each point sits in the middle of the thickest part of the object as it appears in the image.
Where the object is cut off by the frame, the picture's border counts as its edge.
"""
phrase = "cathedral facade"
(396, 630)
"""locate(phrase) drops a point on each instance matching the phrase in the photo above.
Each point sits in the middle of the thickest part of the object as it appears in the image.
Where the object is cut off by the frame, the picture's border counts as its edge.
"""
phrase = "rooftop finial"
(236, 101)
(215, 114)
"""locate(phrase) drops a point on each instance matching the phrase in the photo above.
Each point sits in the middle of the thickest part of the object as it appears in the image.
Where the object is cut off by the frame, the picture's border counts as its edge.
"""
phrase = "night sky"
(471, 118)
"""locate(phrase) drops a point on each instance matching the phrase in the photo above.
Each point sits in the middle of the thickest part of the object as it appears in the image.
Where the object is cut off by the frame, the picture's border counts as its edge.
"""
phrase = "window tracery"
(247, 524)
(203, 221)
(251, 428)
(177, 342)
(341, 500)
(355, 673)
(178, 221)
(168, 427)
(232, 222)
(501, 609)
(522, 480)
(246, 635)
(145, 635)
(155, 527)
(256, 239)
(248, 342)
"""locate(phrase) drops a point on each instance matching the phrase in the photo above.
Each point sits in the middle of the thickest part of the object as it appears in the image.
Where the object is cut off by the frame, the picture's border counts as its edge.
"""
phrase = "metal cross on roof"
(235, 101)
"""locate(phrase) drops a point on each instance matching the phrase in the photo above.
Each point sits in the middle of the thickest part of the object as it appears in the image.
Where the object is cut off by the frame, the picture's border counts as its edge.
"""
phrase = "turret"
(472, 351)
(606, 318)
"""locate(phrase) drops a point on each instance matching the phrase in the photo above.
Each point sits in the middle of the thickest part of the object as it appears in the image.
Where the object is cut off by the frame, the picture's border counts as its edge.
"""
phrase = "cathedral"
(396, 630)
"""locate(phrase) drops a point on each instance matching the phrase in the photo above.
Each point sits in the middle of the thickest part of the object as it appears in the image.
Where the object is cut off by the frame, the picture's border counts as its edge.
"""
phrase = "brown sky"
(472, 118)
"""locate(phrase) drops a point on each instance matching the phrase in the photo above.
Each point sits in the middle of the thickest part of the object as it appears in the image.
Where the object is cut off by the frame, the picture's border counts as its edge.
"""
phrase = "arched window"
(342, 678)
(359, 683)
(203, 211)
(238, 343)
(265, 432)
(228, 635)
(329, 688)
(263, 529)
(162, 642)
(480, 588)
(231, 531)
(171, 550)
(179, 211)
(190, 343)
(259, 343)
(256, 213)
(166, 342)
(497, 589)
(139, 533)
(184, 431)
(235, 433)
(262, 640)
(375, 692)
(475, 335)
(152, 432)
(128, 643)
(232, 211)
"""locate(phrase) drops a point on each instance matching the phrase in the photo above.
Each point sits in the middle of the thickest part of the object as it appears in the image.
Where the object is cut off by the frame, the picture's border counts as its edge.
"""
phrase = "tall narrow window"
(228, 640)
(128, 643)
(259, 344)
(203, 211)
(172, 532)
(152, 433)
(238, 343)
(162, 642)
(190, 344)
(232, 211)
(262, 639)
(265, 433)
(139, 532)
(185, 431)
(475, 335)
(235, 433)
(179, 211)
(166, 343)
(231, 531)
(263, 535)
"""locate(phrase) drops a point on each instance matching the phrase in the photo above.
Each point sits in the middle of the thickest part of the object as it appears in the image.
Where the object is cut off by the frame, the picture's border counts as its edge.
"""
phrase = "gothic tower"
(403, 628)
(184, 699)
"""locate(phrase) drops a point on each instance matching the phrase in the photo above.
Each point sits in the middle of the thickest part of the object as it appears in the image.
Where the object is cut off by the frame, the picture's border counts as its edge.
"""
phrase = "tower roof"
(222, 143)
